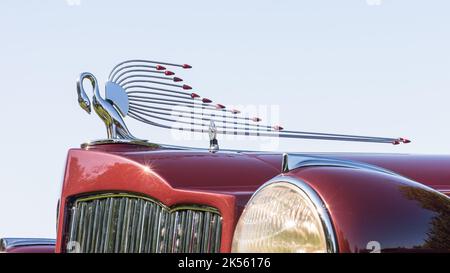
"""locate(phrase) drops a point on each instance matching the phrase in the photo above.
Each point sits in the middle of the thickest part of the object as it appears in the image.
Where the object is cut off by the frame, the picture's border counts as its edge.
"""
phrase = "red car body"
(405, 210)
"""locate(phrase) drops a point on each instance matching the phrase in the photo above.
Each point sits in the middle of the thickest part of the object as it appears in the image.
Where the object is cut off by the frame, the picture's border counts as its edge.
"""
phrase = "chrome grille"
(128, 223)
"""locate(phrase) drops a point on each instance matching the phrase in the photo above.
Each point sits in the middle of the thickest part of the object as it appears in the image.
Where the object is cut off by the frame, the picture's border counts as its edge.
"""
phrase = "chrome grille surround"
(127, 223)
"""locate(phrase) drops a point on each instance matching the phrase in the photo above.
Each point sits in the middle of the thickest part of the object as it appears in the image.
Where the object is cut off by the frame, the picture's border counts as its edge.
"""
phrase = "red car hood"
(244, 172)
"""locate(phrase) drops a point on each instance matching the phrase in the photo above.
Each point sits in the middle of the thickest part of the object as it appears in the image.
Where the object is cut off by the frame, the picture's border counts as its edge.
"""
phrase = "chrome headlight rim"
(319, 205)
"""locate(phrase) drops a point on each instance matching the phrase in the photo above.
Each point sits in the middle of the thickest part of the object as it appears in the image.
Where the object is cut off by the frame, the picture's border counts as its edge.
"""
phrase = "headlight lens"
(280, 217)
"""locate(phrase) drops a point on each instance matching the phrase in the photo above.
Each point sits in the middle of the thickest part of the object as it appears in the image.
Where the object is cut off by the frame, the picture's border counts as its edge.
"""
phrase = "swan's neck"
(97, 95)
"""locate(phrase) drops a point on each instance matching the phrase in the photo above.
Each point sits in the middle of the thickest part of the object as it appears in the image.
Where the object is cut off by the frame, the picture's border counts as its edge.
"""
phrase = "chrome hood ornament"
(115, 126)
(146, 91)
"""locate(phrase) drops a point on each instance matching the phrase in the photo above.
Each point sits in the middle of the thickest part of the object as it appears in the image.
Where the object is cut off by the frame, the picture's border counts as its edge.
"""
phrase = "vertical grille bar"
(127, 223)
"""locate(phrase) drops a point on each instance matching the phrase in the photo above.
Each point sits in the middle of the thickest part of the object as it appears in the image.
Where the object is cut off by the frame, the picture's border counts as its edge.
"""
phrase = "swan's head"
(84, 102)
(83, 99)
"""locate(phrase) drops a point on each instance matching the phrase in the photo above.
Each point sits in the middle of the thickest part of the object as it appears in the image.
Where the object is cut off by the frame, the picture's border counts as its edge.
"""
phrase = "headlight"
(284, 217)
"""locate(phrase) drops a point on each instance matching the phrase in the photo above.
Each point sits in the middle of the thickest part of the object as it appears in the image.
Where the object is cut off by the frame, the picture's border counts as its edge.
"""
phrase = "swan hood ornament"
(150, 93)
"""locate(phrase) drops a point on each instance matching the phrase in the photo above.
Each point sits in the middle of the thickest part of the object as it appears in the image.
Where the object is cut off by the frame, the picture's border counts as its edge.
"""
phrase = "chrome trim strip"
(6, 243)
(295, 161)
(146, 143)
(321, 207)
(139, 142)
(171, 209)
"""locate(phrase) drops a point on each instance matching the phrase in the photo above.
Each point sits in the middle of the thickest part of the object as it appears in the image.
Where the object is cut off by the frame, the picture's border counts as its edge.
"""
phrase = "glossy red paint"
(194, 95)
(363, 204)
(430, 170)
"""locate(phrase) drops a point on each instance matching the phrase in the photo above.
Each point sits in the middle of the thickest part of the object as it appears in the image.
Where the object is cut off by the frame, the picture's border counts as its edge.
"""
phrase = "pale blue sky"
(333, 66)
